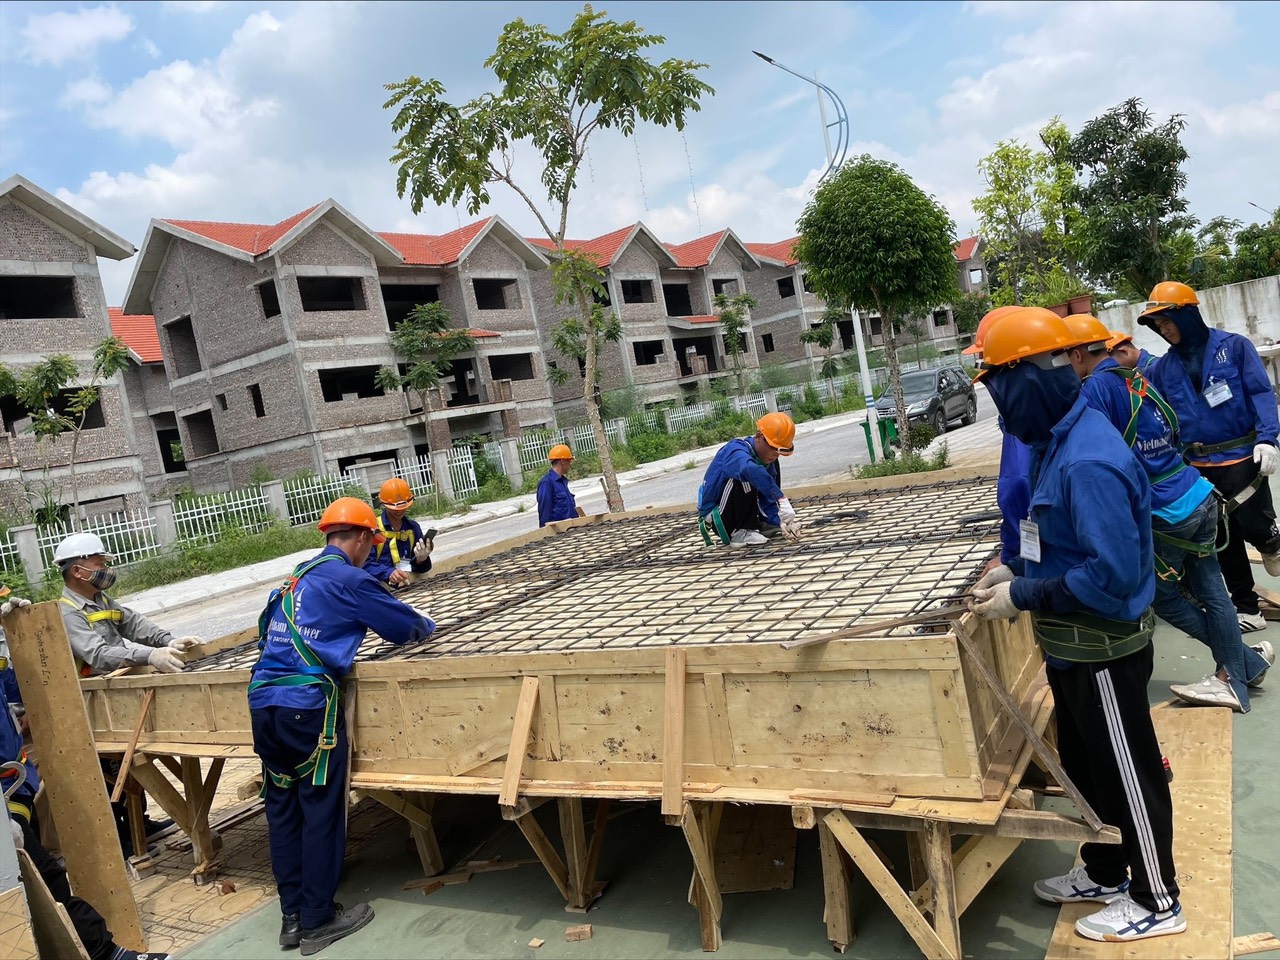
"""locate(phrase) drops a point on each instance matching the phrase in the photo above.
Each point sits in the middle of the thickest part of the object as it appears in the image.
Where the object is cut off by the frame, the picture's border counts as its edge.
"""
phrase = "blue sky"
(254, 111)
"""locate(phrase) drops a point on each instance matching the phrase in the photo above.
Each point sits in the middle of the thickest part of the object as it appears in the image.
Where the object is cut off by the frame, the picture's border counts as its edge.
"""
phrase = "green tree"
(1257, 251)
(556, 91)
(871, 239)
(428, 342)
(733, 323)
(967, 311)
(823, 334)
(42, 390)
(571, 341)
(1130, 196)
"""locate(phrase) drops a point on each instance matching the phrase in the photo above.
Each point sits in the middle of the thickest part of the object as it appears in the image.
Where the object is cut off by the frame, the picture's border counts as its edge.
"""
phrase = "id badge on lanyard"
(1217, 393)
(1029, 541)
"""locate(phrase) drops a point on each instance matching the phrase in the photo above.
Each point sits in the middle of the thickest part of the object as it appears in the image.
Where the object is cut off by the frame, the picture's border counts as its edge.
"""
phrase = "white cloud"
(191, 6)
(55, 38)
(85, 92)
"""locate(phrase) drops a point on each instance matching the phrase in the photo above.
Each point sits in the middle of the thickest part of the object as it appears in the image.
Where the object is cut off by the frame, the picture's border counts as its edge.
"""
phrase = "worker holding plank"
(1086, 573)
(405, 553)
(1216, 383)
(741, 499)
(309, 634)
(1184, 522)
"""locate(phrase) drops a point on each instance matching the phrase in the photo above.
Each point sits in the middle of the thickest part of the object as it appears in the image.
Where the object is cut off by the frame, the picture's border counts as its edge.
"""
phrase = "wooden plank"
(17, 939)
(546, 853)
(521, 727)
(974, 865)
(549, 719)
(209, 788)
(118, 790)
(424, 834)
(163, 792)
(878, 628)
(673, 733)
(1197, 742)
(838, 909)
(1254, 943)
(400, 804)
(193, 785)
(706, 891)
(946, 917)
(69, 767)
(54, 935)
(895, 898)
(478, 753)
(573, 833)
(755, 849)
(718, 719)
(598, 827)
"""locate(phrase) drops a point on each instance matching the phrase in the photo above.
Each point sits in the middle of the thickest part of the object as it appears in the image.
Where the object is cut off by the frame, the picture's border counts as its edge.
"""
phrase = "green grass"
(907, 463)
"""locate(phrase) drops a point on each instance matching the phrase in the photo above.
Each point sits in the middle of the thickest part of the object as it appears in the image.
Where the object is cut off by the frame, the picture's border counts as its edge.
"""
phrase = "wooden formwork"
(619, 658)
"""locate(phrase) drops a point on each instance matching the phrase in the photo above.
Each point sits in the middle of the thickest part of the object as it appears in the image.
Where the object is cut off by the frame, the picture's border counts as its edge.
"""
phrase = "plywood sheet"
(755, 849)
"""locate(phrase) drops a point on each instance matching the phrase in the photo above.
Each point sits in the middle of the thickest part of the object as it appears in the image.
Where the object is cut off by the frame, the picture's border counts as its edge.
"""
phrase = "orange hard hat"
(1117, 337)
(1169, 293)
(4, 590)
(1025, 333)
(980, 335)
(560, 451)
(1087, 329)
(395, 493)
(350, 512)
(779, 431)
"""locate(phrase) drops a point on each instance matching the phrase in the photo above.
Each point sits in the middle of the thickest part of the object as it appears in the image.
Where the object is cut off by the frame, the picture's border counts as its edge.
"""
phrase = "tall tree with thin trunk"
(556, 91)
(872, 239)
(733, 324)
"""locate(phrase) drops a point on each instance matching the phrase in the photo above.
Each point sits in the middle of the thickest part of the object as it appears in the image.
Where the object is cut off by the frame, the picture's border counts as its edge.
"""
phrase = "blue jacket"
(11, 749)
(1092, 503)
(1231, 358)
(398, 546)
(555, 500)
(1155, 445)
(1013, 491)
(334, 604)
(737, 460)
(1146, 361)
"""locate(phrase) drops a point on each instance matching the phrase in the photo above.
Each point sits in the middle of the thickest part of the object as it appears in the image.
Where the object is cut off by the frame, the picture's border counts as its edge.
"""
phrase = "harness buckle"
(328, 743)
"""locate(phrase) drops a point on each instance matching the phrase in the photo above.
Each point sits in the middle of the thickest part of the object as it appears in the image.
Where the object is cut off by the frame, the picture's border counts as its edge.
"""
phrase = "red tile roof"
(434, 250)
(696, 253)
(602, 249)
(702, 319)
(776, 251)
(138, 332)
(254, 238)
(481, 334)
(964, 250)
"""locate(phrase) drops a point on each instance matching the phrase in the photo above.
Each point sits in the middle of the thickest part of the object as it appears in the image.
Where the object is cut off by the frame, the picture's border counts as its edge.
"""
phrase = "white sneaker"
(747, 538)
(1209, 692)
(1122, 920)
(1271, 563)
(1267, 653)
(1077, 887)
(1251, 622)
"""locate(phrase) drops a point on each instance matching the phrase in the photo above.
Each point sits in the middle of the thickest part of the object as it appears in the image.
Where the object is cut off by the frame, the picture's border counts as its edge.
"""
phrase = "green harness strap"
(717, 524)
(1085, 638)
(313, 673)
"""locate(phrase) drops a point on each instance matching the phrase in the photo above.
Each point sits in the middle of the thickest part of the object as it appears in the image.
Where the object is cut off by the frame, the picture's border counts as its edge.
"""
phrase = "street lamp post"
(834, 159)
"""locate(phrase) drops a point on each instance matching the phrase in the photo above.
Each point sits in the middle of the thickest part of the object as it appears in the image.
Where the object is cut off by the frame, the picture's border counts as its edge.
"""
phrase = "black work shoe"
(343, 924)
(290, 930)
(153, 827)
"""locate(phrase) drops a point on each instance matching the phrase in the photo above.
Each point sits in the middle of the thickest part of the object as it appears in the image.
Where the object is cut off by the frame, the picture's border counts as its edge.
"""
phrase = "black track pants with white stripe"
(1108, 747)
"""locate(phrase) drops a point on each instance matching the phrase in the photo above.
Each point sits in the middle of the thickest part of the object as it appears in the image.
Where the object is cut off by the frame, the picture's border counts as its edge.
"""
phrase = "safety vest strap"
(393, 538)
(1141, 390)
(20, 809)
(97, 616)
(716, 522)
(1085, 638)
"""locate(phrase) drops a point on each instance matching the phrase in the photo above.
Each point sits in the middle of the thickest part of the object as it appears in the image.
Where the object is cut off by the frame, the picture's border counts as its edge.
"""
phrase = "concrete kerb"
(270, 572)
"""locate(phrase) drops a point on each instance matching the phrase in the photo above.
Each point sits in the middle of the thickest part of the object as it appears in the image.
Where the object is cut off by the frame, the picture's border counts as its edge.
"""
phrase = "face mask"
(1031, 400)
(102, 578)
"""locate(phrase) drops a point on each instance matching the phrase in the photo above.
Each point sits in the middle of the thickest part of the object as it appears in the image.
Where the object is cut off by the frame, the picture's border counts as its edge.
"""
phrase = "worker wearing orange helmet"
(1123, 351)
(741, 498)
(405, 553)
(309, 634)
(555, 499)
(1228, 424)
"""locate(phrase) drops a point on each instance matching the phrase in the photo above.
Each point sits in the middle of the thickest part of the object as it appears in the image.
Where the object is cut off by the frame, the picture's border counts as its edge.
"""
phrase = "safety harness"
(404, 534)
(115, 616)
(16, 770)
(1085, 638)
(313, 672)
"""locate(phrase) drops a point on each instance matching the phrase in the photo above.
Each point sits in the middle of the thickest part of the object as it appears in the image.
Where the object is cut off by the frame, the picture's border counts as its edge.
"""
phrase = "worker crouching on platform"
(1085, 571)
(309, 634)
(555, 500)
(405, 553)
(741, 500)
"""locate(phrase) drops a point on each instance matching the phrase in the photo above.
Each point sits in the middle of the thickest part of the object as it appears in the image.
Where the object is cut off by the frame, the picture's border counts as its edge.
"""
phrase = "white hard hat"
(80, 545)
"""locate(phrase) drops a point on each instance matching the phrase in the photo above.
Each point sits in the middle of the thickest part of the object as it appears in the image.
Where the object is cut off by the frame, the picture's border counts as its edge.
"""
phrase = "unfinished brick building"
(52, 302)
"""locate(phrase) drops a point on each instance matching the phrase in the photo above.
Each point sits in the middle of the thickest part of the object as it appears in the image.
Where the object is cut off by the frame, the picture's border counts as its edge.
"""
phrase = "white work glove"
(994, 603)
(16, 830)
(12, 604)
(1267, 458)
(422, 550)
(788, 521)
(165, 660)
(185, 643)
(1000, 574)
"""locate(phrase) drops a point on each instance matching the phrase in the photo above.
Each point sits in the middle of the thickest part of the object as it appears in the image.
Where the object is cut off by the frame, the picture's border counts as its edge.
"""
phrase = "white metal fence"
(307, 497)
(203, 518)
(416, 473)
(462, 472)
(9, 559)
(129, 535)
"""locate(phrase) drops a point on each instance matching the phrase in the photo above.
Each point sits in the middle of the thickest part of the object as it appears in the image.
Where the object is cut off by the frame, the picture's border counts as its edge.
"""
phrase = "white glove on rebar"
(185, 643)
(1267, 458)
(165, 660)
(788, 521)
(422, 550)
(12, 604)
(995, 603)
(16, 830)
(1000, 574)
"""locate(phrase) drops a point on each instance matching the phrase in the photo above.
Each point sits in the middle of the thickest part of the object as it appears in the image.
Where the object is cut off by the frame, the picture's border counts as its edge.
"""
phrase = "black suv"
(935, 397)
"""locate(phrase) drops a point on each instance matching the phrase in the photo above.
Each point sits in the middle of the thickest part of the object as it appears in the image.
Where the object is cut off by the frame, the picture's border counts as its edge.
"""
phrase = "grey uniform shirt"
(109, 644)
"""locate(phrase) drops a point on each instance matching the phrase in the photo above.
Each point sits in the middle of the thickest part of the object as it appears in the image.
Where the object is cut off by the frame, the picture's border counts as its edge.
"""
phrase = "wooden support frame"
(521, 727)
(837, 896)
(700, 835)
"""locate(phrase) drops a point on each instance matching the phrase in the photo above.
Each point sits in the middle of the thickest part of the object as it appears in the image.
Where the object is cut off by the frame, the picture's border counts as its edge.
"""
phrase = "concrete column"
(440, 475)
(771, 400)
(510, 447)
(166, 526)
(28, 544)
(666, 420)
(273, 490)
(622, 432)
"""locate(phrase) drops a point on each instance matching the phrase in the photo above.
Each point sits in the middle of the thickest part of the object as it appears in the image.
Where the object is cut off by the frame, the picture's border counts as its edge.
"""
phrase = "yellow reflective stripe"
(21, 809)
(97, 616)
(393, 536)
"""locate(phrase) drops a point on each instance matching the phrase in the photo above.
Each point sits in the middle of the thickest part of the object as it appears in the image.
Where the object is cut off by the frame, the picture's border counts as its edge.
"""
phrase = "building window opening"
(255, 397)
(38, 298)
(498, 294)
(786, 287)
(637, 291)
(727, 286)
(399, 299)
(766, 341)
(182, 347)
(349, 383)
(511, 366)
(202, 434)
(648, 352)
(677, 297)
(320, 294)
(222, 401)
(270, 298)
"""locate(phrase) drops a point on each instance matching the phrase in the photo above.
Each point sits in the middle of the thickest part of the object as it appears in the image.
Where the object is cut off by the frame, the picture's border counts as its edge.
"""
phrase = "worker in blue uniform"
(310, 632)
(405, 553)
(1184, 522)
(1216, 383)
(1121, 347)
(1085, 571)
(740, 500)
(555, 499)
(21, 783)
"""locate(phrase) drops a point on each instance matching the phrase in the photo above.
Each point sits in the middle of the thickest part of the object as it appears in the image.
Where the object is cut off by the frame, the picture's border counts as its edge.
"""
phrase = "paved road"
(825, 455)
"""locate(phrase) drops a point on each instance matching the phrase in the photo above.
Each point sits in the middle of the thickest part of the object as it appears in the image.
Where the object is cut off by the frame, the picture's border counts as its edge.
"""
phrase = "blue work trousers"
(1216, 626)
(306, 824)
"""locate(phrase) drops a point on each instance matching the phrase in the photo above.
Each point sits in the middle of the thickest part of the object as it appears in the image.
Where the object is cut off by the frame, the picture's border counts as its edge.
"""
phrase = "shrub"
(921, 435)
(908, 463)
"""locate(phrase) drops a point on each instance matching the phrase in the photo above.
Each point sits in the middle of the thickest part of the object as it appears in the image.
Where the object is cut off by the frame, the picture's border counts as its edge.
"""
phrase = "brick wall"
(25, 236)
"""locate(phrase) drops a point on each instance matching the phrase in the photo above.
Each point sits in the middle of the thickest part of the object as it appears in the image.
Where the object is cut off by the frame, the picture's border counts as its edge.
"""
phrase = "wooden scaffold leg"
(417, 808)
(700, 832)
(838, 902)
